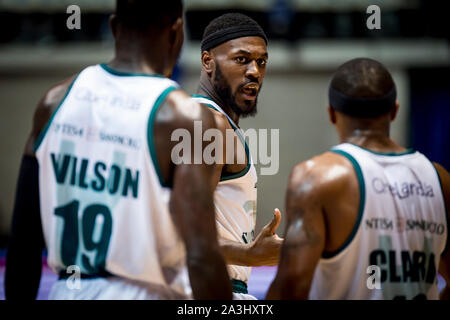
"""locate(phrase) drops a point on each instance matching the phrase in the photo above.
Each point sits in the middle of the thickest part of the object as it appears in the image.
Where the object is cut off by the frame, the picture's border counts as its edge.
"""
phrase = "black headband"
(224, 35)
(362, 107)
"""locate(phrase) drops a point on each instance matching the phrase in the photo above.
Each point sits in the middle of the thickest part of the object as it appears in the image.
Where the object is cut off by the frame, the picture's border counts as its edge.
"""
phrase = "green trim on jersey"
(200, 96)
(150, 127)
(42, 134)
(445, 208)
(239, 286)
(390, 154)
(362, 202)
(128, 74)
(236, 129)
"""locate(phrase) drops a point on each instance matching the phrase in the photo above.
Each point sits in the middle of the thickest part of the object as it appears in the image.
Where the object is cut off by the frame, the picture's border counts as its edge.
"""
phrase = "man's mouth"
(250, 91)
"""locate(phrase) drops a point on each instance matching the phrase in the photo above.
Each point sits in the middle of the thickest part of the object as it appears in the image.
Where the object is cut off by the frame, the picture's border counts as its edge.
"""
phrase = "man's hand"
(265, 250)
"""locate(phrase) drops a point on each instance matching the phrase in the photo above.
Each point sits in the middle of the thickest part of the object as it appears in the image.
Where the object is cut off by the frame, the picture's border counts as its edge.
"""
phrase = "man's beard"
(223, 90)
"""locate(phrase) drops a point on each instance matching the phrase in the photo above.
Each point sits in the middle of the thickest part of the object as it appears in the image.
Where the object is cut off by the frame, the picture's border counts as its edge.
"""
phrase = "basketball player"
(98, 161)
(368, 219)
(234, 57)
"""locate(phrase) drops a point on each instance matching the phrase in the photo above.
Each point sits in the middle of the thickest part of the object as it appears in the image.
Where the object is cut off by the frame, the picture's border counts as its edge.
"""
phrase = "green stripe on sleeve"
(150, 128)
(225, 177)
(362, 201)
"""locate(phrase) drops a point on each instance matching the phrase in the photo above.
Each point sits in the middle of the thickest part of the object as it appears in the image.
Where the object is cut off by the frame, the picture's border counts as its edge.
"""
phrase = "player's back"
(103, 208)
(401, 228)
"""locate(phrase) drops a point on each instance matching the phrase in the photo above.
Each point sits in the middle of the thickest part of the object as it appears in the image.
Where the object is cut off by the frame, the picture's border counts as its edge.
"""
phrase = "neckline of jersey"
(390, 154)
(200, 96)
(237, 130)
(234, 125)
(128, 74)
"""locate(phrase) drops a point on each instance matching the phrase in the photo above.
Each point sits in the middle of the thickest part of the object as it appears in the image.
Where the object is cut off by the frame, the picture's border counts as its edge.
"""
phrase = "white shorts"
(243, 296)
(111, 288)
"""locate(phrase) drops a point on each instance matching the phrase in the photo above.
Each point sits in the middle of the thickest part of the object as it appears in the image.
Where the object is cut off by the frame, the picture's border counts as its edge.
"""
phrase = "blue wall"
(430, 113)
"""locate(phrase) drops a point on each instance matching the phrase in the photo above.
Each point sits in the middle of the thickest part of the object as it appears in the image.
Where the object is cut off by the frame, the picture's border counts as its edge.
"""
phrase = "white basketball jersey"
(394, 249)
(103, 205)
(235, 201)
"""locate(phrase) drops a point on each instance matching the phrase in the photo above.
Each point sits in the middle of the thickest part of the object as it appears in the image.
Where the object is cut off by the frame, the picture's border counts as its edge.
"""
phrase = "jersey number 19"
(71, 237)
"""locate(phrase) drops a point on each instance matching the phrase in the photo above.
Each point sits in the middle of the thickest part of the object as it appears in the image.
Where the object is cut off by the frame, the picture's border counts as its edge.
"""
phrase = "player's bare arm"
(304, 237)
(26, 240)
(444, 265)
(265, 249)
(313, 196)
(191, 202)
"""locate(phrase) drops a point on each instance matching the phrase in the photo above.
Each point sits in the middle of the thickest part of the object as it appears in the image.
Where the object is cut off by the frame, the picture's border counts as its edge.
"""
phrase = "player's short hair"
(362, 87)
(230, 26)
(142, 14)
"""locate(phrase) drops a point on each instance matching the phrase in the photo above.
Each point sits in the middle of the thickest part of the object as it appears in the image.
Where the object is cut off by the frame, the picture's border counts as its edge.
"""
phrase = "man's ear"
(394, 111)
(208, 63)
(177, 33)
(331, 115)
(113, 21)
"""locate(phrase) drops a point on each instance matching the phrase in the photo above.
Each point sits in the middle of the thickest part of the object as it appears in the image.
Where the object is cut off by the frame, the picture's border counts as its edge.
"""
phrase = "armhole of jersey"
(362, 201)
(150, 127)
(247, 150)
(445, 208)
(243, 172)
(42, 134)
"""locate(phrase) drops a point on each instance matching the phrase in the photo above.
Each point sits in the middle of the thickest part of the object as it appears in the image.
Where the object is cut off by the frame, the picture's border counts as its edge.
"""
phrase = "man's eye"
(241, 59)
(262, 62)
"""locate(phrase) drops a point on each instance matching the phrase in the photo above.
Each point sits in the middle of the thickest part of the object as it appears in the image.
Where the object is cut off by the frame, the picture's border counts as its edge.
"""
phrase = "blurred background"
(309, 39)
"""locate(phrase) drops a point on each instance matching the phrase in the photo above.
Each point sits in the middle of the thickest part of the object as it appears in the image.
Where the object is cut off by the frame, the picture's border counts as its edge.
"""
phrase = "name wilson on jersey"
(115, 179)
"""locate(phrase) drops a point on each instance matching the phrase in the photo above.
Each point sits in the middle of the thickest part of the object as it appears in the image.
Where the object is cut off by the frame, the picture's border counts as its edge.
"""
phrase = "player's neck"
(374, 140)
(206, 89)
(132, 58)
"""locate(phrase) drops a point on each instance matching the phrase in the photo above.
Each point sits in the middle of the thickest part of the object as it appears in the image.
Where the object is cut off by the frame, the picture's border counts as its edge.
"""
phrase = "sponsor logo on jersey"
(379, 224)
(402, 190)
(67, 129)
(93, 134)
(401, 224)
(111, 99)
(119, 139)
(428, 226)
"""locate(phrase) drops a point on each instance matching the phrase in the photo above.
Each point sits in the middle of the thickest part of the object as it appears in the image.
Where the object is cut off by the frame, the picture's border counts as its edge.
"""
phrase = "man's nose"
(253, 71)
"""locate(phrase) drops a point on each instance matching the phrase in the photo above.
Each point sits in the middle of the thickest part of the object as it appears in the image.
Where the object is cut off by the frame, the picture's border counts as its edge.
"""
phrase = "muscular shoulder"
(321, 178)
(442, 172)
(444, 177)
(180, 111)
(179, 119)
(220, 119)
(44, 110)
